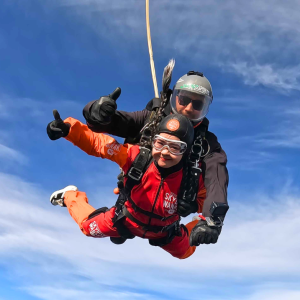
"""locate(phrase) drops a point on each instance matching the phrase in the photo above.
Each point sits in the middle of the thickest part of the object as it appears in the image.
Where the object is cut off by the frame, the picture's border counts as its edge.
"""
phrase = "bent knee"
(190, 251)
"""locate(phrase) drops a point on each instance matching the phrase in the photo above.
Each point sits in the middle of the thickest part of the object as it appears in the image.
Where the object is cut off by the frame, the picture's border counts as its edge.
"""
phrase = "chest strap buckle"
(135, 174)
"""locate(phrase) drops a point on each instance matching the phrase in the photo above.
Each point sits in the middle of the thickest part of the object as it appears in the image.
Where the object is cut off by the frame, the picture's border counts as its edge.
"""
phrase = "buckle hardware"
(214, 223)
(163, 229)
(135, 174)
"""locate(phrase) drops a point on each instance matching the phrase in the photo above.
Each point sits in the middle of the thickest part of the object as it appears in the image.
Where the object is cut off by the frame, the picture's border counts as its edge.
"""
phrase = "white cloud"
(284, 135)
(275, 294)
(281, 79)
(208, 32)
(50, 293)
(258, 40)
(8, 153)
(34, 110)
(277, 126)
(46, 241)
(251, 160)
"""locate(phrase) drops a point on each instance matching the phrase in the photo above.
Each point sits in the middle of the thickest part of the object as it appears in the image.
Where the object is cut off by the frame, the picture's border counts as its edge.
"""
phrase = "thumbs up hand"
(57, 128)
(103, 109)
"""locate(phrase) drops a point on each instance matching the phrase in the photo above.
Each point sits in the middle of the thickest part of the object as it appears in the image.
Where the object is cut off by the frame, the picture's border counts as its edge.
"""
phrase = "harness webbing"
(152, 228)
(147, 213)
(134, 176)
(139, 166)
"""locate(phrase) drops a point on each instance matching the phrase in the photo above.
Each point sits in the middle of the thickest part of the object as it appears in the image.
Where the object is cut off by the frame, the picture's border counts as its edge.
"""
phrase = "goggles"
(185, 100)
(174, 147)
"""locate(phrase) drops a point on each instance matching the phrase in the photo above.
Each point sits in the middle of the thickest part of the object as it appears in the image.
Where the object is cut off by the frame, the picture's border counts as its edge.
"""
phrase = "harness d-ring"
(208, 148)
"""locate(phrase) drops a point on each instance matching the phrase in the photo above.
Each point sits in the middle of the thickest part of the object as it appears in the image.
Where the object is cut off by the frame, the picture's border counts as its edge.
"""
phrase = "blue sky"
(61, 54)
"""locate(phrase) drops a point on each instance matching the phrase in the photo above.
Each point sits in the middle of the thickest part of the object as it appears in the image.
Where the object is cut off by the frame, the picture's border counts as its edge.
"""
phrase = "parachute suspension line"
(150, 51)
(151, 128)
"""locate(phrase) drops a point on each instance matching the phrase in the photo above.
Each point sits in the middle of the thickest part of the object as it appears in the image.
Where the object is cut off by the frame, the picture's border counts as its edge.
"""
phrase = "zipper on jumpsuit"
(153, 207)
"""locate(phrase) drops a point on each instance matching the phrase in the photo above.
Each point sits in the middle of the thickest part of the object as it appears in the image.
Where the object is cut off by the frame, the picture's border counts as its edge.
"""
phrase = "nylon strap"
(137, 169)
(152, 228)
(147, 213)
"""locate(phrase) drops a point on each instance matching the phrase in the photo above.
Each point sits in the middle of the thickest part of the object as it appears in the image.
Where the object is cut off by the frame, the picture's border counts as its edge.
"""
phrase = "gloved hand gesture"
(103, 109)
(204, 234)
(57, 128)
(185, 208)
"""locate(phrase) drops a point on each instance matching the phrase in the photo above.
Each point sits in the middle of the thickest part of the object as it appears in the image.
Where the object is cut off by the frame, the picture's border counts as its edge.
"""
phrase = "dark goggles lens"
(185, 100)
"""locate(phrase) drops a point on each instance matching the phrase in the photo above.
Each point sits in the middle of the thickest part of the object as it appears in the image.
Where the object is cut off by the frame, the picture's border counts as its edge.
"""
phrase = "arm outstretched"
(97, 144)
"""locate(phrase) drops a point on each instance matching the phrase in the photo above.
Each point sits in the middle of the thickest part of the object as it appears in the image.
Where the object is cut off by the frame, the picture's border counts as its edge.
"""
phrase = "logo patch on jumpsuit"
(170, 203)
(113, 148)
(95, 231)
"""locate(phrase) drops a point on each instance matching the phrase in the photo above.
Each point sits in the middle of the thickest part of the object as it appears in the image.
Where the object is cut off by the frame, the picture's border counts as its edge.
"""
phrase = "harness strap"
(147, 213)
(123, 231)
(97, 212)
(175, 231)
(152, 228)
(134, 177)
(137, 169)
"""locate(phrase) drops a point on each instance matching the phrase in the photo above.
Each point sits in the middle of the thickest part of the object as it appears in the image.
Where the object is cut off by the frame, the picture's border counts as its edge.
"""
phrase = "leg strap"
(172, 232)
(121, 228)
(97, 212)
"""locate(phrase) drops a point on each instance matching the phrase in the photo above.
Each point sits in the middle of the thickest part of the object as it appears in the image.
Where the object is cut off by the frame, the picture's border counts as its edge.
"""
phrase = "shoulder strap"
(153, 104)
(202, 128)
(138, 168)
(134, 177)
(189, 187)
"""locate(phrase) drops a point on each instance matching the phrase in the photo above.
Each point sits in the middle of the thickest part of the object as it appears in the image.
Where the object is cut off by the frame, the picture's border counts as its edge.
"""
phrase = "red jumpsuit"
(153, 194)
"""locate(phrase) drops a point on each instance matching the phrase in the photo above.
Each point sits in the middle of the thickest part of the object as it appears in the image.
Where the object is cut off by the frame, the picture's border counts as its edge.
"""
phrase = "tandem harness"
(134, 176)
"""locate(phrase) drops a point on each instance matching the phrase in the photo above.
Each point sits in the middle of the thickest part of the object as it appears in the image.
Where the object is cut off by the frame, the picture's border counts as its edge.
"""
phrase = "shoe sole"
(66, 189)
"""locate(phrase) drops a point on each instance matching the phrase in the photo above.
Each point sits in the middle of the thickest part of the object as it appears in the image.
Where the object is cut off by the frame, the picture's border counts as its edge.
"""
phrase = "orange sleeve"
(97, 144)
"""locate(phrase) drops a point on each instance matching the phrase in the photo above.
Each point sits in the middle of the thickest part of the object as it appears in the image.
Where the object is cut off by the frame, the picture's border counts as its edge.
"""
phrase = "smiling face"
(190, 104)
(164, 157)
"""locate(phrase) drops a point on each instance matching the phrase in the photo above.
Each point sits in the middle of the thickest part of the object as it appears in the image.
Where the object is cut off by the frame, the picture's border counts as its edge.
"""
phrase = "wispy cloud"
(284, 134)
(34, 234)
(50, 293)
(281, 79)
(275, 293)
(274, 125)
(34, 110)
(252, 160)
(7, 153)
(240, 37)
(257, 250)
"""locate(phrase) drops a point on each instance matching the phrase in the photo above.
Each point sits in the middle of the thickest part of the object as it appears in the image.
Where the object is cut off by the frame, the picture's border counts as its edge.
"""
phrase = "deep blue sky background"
(62, 54)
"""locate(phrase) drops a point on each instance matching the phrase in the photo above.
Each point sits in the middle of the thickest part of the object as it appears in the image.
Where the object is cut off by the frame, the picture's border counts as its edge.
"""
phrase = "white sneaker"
(57, 198)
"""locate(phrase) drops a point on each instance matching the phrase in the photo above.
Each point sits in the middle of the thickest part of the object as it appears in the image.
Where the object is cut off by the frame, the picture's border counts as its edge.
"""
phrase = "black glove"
(186, 208)
(204, 234)
(57, 128)
(103, 109)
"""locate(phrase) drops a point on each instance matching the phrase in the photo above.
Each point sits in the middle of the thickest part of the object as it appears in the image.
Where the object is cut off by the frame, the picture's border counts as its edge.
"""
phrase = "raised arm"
(123, 124)
(102, 116)
(96, 144)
